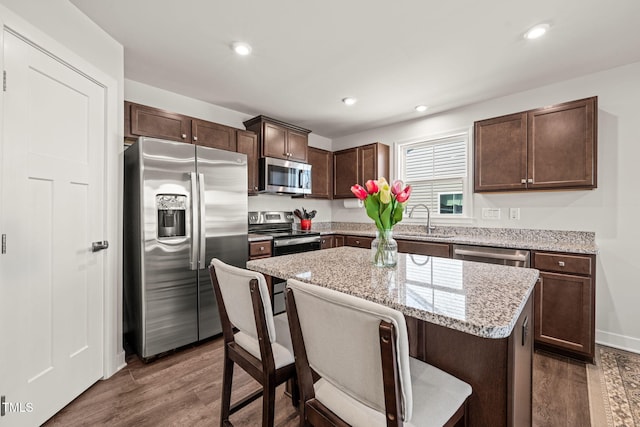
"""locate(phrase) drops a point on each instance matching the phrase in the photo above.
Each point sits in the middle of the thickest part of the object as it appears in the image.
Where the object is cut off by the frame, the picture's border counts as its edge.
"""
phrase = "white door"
(52, 185)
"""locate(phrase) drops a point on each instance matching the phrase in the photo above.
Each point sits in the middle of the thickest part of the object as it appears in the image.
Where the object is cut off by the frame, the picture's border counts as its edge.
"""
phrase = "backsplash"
(517, 234)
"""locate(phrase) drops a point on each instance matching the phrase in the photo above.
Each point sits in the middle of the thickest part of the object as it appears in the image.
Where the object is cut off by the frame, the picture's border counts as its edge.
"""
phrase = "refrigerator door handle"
(202, 232)
(195, 229)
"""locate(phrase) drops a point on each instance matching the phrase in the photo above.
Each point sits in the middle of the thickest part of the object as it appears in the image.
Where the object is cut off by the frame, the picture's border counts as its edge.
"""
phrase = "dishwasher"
(503, 256)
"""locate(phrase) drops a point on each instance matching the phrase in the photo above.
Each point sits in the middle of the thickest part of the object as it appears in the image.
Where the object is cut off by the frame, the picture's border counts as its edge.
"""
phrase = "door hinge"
(4, 243)
(4, 80)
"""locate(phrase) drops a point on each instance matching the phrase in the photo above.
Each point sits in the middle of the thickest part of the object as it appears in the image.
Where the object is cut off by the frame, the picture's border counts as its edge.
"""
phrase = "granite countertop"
(480, 299)
(577, 242)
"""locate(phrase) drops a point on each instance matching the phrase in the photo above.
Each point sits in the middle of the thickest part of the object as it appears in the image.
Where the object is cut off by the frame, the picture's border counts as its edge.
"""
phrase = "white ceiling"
(391, 56)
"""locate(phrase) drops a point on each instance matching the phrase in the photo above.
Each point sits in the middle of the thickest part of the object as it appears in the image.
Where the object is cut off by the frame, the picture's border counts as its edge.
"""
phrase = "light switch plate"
(491, 213)
(514, 213)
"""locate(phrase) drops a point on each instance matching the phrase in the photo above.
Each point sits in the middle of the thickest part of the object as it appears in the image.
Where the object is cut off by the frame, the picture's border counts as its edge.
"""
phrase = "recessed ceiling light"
(349, 100)
(537, 31)
(421, 108)
(240, 48)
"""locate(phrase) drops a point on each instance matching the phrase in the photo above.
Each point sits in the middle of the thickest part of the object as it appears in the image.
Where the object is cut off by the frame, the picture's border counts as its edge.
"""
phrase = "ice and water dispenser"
(171, 215)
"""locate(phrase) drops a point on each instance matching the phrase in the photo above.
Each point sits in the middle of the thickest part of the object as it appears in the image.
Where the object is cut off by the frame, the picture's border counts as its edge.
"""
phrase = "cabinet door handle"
(561, 263)
(523, 181)
(525, 330)
(184, 135)
(262, 248)
(530, 180)
(195, 138)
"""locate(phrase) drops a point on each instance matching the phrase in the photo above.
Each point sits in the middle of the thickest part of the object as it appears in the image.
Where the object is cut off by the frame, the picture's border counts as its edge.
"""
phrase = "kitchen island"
(469, 319)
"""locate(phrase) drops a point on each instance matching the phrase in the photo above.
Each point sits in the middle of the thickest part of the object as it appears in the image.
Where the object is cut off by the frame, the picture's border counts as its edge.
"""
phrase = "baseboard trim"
(618, 341)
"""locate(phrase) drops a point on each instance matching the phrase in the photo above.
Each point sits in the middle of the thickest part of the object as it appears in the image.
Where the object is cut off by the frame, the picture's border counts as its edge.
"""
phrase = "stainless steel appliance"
(286, 240)
(183, 205)
(284, 176)
(503, 256)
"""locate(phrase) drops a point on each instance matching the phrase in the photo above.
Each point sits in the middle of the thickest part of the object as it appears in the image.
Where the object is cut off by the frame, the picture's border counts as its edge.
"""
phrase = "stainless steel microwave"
(284, 176)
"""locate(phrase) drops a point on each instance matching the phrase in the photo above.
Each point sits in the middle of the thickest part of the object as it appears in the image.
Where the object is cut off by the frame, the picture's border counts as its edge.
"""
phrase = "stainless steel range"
(279, 225)
(286, 240)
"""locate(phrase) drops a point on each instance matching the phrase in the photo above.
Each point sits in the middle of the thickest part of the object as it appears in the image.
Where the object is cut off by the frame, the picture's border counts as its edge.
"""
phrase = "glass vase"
(384, 249)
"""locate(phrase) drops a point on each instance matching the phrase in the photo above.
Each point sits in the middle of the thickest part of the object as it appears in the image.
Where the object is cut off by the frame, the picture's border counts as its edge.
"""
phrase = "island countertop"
(484, 300)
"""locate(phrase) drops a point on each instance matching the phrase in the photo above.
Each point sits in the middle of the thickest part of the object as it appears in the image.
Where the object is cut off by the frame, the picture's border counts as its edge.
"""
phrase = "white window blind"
(436, 170)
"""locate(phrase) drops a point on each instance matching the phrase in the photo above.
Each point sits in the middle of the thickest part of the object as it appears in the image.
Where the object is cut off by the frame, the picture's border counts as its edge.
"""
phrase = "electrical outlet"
(514, 213)
(491, 213)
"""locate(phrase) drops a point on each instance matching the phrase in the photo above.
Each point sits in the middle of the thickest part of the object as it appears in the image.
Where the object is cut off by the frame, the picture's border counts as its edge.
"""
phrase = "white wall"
(160, 98)
(611, 210)
(61, 29)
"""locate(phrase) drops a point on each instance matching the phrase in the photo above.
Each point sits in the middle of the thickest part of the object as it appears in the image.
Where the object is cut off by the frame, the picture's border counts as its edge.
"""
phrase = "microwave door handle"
(203, 223)
(193, 250)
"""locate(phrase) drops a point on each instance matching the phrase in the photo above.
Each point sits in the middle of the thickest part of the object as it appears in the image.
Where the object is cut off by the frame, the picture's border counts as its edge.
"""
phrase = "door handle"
(203, 222)
(525, 330)
(193, 261)
(98, 246)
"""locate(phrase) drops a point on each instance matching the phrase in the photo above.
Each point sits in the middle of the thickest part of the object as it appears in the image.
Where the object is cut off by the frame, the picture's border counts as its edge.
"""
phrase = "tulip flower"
(372, 186)
(396, 188)
(403, 196)
(385, 191)
(359, 192)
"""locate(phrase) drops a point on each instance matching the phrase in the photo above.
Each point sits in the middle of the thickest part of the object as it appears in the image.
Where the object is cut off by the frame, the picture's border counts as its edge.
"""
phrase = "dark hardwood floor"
(183, 389)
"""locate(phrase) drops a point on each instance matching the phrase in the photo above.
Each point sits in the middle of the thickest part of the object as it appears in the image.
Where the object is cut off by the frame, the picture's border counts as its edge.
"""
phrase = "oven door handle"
(295, 241)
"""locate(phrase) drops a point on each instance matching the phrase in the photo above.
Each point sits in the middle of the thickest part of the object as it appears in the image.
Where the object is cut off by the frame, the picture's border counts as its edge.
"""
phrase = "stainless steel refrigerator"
(183, 205)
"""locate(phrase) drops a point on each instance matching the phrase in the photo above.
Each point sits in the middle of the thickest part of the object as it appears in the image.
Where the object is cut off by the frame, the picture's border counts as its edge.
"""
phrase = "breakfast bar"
(470, 319)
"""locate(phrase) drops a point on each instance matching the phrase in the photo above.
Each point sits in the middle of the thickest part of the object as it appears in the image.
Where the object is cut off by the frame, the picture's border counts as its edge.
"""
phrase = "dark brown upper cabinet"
(141, 120)
(547, 148)
(213, 135)
(357, 165)
(247, 143)
(321, 162)
(279, 139)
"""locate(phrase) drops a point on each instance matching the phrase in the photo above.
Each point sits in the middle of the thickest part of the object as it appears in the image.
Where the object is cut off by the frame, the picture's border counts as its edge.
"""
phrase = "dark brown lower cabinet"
(358, 241)
(565, 304)
(441, 250)
(326, 242)
(498, 370)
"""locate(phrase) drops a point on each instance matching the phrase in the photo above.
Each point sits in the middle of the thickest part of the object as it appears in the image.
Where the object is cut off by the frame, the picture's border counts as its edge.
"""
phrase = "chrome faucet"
(430, 228)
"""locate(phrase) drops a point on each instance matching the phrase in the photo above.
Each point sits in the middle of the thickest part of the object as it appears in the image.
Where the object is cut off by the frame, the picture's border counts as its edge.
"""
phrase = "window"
(437, 170)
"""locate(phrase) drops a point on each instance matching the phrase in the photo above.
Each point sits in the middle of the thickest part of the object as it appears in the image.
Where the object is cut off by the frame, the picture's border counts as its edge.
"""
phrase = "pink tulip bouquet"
(384, 203)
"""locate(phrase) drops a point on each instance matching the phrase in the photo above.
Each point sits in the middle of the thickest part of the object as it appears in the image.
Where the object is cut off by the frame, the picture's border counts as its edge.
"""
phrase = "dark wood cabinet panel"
(561, 145)
(547, 148)
(321, 162)
(563, 263)
(565, 303)
(213, 135)
(338, 241)
(563, 312)
(326, 242)
(358, 241)
(247, 143)
(274, 143)
(373, 162)
(297, 144)
(501, 153)
(279, 139)
(357, 165)
(345, 172)
(261, 249)
(442, 250)
(157, 123)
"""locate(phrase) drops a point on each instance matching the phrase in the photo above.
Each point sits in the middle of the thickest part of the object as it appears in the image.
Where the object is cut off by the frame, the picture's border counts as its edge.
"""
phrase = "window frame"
(467, 181)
